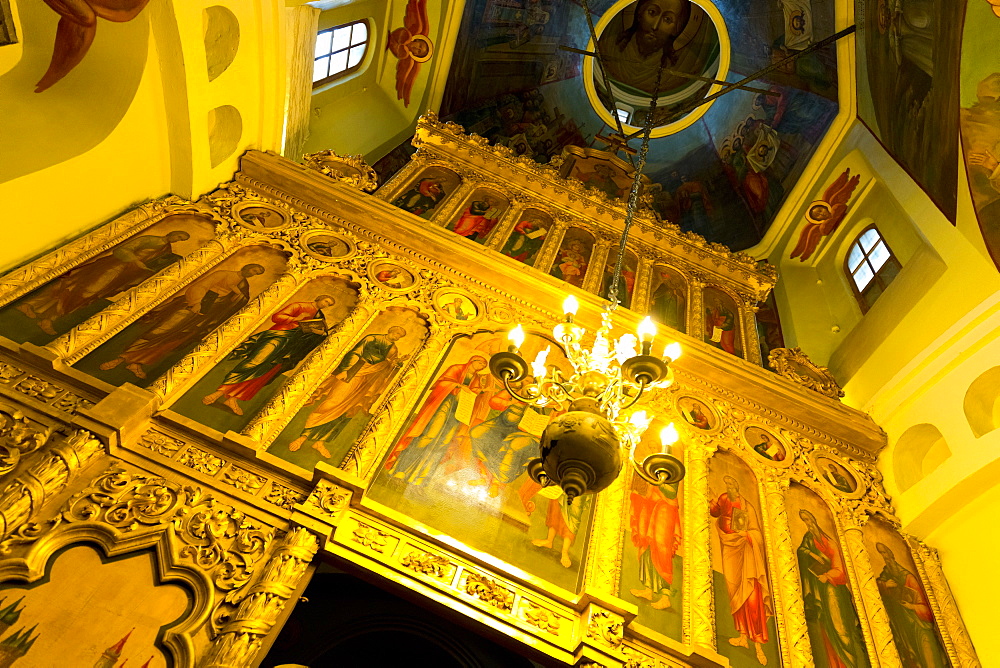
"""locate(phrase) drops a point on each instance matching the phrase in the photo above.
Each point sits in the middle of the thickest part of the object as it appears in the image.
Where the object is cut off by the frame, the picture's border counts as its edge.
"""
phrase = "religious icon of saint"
(422, 198)
(839, 478)
(458, 400)
(123, 267)
(330, 247)
(910, 615)
(360, 377)
(459, 308)
(831, 618)
(656, 534)
(743, 565)
(187, 317)
(478, 219)
(769, 447)
(696, 414)
(394, 278)
(667, 301)
(571, 265)
(298, 328)
(525, 241)
(720, 326)
(261, 218)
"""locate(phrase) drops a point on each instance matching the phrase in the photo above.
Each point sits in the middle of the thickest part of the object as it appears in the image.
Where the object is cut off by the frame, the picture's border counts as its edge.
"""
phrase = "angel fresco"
(77, 28)
(825, 215)
(412, 46)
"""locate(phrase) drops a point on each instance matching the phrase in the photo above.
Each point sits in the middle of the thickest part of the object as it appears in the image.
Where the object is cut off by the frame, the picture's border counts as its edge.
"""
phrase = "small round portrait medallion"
(327, 246)
(767, 445)
(456, 306)
(260, 217)
(697, 414)
(392, 276)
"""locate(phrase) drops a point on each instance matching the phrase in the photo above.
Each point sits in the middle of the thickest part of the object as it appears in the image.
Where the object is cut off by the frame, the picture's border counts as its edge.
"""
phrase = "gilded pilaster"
(283, 406)
(547, 254)
(507, 222)
(751, 345)
(953, 631)
(60, 463)
(643, 276)
(377, 438)
(791, 623)
(696, 305)
(97, 329)
(223, 339)
(237, 644)
(868, 598)
(595, 268)
(604, 556)
(699, 604)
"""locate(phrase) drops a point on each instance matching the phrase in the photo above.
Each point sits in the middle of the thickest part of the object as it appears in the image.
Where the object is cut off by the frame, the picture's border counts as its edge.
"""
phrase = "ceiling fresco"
(725, 174)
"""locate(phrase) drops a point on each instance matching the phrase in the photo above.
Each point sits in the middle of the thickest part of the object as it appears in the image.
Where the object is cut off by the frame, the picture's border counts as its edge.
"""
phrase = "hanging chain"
(633, 196)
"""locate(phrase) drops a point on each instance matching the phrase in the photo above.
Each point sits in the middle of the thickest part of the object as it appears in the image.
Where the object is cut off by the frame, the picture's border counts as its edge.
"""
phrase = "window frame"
(877, 276)
(367, 43)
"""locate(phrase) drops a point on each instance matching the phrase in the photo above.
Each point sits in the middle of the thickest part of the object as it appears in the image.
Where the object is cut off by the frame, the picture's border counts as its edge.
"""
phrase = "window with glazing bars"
(871, 267)
(339, 50)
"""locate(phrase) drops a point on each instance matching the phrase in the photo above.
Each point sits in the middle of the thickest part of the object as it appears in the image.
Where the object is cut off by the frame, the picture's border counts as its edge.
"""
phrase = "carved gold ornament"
(795, 365)
(349, 169)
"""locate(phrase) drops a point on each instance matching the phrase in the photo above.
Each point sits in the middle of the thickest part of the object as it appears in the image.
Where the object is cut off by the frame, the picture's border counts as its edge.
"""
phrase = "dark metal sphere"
(581, 453)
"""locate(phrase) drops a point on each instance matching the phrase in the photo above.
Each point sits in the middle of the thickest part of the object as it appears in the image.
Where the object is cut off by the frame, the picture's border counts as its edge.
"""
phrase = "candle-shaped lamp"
(672, 351)
(647, 330)
(516, 338)
(668, 436)
(570, 307)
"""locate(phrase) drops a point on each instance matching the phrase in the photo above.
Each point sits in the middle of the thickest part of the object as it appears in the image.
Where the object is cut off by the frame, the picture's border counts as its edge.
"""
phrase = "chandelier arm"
(635, 399)
(513, 393)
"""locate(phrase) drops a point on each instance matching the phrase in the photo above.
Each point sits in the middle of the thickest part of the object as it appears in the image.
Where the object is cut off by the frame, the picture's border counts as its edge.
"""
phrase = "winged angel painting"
(825, 215)
(412, 46)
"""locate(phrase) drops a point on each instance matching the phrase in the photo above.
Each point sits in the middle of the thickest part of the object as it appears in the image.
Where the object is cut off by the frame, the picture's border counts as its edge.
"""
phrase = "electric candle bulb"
(639, 419)
(673, 351)
(647, 329)
(516, 336)
(669, 435)
(538, 366)
(570, 306)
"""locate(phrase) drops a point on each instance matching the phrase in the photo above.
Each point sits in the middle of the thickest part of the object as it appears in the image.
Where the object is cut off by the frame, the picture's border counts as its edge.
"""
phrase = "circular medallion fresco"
(767, 445)
(687, 38)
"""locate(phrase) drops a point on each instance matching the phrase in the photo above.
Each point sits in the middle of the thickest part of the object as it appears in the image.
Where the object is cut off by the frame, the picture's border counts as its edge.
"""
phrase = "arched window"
(871, 267)
(339, 50)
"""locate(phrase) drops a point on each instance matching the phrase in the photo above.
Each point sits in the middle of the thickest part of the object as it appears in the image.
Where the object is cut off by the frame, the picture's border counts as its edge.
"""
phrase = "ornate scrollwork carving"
(426, 563)
(257, 609)
(41, 389)
(370, 537)
(327, 498)
(18, 437)
(349, 169)
(795, 365)
(540, 617)
(217, 538)
(489, 591)
(157, 441)
(283, 496)
(606, 628)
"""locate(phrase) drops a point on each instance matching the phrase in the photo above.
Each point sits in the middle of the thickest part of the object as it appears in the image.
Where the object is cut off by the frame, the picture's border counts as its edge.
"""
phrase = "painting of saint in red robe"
(722, 328)
(480, 216)
(161, 337)
(744, 604)
(65, 302)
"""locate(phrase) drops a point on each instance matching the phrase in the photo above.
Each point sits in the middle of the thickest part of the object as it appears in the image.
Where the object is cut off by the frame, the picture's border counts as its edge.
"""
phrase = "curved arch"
(919, 451)
(982, 402)
(225, 128)
(221, 32)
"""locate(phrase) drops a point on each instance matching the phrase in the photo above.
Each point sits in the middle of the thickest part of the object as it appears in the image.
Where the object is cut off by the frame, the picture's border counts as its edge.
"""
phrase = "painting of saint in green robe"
(831, 618)
(58, 306)
(910, 616)
(527, 237)
(668, 298)
(161, 337)
(242, 383)
(341, 406)
(573, 257)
